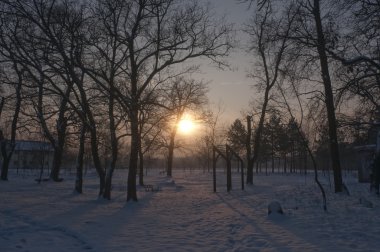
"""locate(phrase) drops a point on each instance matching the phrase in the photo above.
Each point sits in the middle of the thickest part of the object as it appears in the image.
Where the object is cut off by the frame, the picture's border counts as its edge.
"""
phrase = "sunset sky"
(231, 88)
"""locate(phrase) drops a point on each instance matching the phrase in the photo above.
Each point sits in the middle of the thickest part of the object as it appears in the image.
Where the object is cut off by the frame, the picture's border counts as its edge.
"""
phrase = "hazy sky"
(231, 88)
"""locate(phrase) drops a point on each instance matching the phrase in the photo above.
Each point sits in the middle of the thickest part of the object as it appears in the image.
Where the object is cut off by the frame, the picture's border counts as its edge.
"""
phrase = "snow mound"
(274, 207)
(366, 203)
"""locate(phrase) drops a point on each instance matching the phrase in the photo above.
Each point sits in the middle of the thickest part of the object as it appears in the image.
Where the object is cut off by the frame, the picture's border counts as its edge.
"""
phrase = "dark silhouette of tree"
(237, 135)
(275, 132)
(8, 145)
(269, 41)
(38, 40)
(157, 35)
(213, 135)
(109, 52)
(329, 97)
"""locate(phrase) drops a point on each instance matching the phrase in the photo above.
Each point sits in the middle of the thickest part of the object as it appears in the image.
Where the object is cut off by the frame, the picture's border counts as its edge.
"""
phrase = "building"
(32, 155)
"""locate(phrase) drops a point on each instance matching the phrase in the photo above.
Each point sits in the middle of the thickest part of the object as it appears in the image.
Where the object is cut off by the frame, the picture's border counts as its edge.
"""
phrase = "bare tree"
(269, 41)
(105, 58)
(213, 135)
(358, 53)
(50, 51)
(157, 35)
(8, 146)
(151, 120)
(179, 97)
(303, 138)
(12, 76)
(311, 36)
(139, 42)
(329, 97)
(33, 52)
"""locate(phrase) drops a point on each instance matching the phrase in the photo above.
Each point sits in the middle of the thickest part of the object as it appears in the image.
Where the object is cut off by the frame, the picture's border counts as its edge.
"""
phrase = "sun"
(185, 126)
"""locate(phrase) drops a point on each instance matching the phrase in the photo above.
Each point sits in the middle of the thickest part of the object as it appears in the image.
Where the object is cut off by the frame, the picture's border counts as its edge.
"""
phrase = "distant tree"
(237, 135)
(179, 97)
(274, 131)
(213, 135)
(151, 118)
(302, 136)
(297, 146)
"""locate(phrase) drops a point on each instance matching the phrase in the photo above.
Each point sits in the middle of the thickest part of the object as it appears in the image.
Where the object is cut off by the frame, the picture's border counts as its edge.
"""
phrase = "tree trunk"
(249, 152)
(133, 161)
(7, 155)
(272, 149)
(329, 99)
(108, 183)
(58, 149)
(114, 148)
(171, 154)
(5, 166)
(96, 159)
(79, 168)
(141, 166)
(259, 130)
(57, 160)
(2, 100)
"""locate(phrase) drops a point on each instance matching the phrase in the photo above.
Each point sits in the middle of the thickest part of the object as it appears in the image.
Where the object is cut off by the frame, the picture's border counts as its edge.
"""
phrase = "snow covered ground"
(185, 215)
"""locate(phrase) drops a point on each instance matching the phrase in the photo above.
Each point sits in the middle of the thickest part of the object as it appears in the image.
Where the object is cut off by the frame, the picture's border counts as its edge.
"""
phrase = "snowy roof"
(23, 145)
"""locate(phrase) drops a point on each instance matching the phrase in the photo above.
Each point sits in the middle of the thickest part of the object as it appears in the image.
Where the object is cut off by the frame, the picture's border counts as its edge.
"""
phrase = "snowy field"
(185, 215)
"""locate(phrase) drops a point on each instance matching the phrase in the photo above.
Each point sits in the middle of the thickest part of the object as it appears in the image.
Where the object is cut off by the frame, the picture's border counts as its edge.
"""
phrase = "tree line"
(319, 62)
(77, 69)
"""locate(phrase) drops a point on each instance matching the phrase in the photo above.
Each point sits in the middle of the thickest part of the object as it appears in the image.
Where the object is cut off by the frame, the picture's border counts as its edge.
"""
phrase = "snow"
(185, 215)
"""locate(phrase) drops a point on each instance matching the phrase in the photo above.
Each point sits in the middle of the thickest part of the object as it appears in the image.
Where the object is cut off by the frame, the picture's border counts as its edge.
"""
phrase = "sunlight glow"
(185, 126)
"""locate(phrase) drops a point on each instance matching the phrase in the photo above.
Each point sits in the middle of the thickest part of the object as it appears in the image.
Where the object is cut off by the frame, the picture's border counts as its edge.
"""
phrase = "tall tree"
(319, 37)
(8, 145)
(269, 41)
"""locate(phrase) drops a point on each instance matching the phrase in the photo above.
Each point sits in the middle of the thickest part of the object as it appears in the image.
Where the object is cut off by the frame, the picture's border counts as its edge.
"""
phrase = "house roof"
(23, 145)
